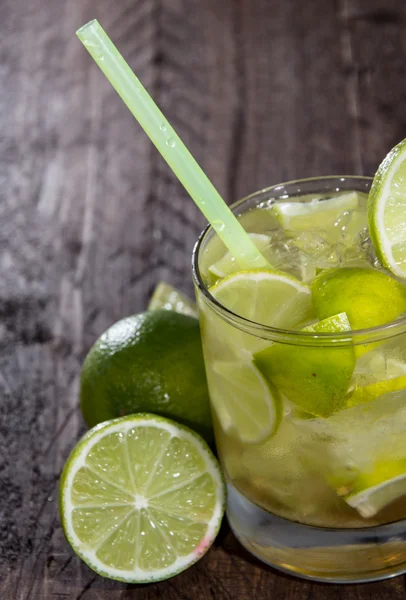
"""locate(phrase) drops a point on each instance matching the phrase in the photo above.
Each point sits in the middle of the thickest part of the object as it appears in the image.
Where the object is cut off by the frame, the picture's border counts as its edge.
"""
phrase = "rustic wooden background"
(91, 218)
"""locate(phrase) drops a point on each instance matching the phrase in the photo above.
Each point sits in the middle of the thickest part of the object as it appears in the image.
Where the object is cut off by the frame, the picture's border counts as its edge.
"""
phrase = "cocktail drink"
(306, 366)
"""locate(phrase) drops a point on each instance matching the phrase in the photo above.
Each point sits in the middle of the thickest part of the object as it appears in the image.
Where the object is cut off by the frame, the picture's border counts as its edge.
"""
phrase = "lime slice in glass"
(141, 498)
(167, 297)
(387, 211)
(266, 297)
(367, 393)
(372, 491)
(227, 265)
(245, 403)
(368, 297)
(315, 379)
(315, 215)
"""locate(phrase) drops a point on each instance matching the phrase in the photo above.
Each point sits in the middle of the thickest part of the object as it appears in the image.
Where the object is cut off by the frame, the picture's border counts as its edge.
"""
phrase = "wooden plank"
(91, 218)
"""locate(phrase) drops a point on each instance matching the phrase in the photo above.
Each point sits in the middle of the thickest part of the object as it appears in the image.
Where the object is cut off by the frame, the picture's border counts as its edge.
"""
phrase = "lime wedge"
(387, 211)
(245, 403)
(367, 393)
(227, 265)
(316, 379)
(372, 491)
(266, 297)
(167, 297)
(141, 498)
(369, 297)
(314, 215)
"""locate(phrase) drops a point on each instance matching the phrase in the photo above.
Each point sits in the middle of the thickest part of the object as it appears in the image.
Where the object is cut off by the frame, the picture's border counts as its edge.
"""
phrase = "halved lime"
(316, 214)
(141, 498)
(369, 297)
(246, 405)
(227, 265)
(167, 297)
(314, 378)
(372, 491)
(387, 211)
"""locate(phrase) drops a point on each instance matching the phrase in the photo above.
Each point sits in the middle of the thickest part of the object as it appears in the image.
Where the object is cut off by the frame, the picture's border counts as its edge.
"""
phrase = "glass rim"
(346, 338)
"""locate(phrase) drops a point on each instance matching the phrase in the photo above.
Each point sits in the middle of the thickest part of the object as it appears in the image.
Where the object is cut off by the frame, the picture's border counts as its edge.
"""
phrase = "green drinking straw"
(169, 144)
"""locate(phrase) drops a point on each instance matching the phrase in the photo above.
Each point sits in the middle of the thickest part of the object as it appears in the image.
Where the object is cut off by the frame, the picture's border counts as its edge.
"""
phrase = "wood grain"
(91, 218)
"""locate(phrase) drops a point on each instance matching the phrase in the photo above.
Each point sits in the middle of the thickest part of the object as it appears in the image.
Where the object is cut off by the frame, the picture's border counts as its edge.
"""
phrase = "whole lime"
(150, 362)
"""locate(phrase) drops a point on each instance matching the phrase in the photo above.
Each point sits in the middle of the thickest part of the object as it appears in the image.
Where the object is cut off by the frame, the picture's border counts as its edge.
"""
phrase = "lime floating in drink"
(227, 265)
(141, 498)
(167, 297)
(246, 405)
(316, 379)
(315, 215)
(367, 393)
(387, 211)
(264, 296)
(372, 491)
(368, 297)
(151, 362)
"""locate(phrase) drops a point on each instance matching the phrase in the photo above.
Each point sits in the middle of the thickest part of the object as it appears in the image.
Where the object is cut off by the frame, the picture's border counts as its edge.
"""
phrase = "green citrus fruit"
(150, 362)
(141, 498)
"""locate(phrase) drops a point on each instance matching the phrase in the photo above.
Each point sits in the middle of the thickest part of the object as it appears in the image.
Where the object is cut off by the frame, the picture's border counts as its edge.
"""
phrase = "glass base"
(321, 554)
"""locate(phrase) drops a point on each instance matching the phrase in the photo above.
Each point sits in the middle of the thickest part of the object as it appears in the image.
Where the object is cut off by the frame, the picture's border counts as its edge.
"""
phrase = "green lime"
(227, 265)
(315, 215)
(167, 297)
(371, 491)
(246, 405)
(262, 296)
(266, 297)
(151, 362)
(369, 297)
(141, 498)
(316, 379)
(387, 211)
(367, 393)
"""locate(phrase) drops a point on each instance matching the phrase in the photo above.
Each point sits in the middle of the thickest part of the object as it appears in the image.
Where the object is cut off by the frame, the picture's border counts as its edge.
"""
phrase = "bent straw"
(169, 144)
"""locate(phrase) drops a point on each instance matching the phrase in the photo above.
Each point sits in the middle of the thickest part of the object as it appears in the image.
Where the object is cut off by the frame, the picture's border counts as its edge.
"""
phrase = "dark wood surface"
(91, 218)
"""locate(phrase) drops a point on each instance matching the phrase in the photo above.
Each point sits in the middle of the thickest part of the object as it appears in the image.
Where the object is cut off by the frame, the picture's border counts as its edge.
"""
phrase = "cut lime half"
(387, 211)
(246, 405)
(141, 498)
(167, 297)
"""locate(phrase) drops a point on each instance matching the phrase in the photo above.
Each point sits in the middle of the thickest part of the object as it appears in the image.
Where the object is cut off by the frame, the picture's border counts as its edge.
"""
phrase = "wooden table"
(91, 218)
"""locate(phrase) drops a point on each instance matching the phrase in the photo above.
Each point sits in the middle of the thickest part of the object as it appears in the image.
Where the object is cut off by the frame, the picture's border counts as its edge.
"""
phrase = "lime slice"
(244, 402)
(169, 298)
(316, 379)
(369, 297)
(371, 492)
(367, 393)
(314, 215)
(227, 265)
(387, 211)
(267, 297)
(141, 498)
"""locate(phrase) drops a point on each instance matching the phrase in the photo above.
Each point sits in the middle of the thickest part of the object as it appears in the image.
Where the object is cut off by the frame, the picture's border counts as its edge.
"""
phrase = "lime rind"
(380, 193)
(77, 461)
